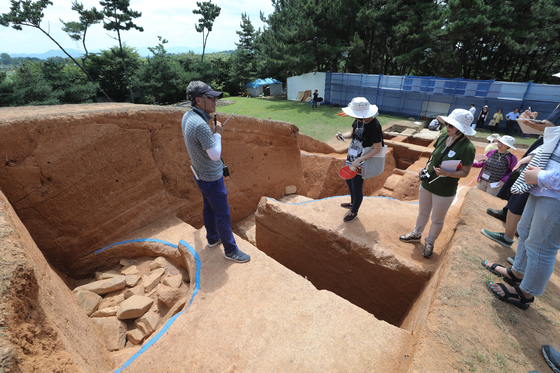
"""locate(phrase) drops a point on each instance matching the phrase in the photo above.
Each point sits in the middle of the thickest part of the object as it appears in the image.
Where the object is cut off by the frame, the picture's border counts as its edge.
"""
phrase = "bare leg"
(511, 224)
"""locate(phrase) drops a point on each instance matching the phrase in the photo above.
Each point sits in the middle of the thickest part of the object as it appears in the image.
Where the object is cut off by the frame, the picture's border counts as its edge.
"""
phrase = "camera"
(424, 174)
(225, 168)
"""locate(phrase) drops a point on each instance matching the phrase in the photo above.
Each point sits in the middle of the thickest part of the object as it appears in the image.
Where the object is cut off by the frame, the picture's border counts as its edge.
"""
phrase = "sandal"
(517, 299)
(511, 280)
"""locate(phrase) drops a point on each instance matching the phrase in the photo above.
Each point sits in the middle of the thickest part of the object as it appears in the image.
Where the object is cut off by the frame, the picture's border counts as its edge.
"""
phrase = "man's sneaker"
(511, 260)
(350, 217)
(238, 256)
(552, 358)
(498, 214)
(410, 237)
(215, 243)
(346, 205)
(497, 237)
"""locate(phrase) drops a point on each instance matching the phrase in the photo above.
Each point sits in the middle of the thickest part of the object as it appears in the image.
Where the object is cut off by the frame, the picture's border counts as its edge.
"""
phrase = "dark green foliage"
(6, 89)
(107, 69)
(244, 62)
(78, 31)
(480, 39)
(160, 78)
(49, 83)
(24, 13)
(119, 17)
(68, 83)
(5, 59)
(30, 13)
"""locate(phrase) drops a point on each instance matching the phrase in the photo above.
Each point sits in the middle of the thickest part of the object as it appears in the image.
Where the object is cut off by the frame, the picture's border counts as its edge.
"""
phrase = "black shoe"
(350, 217)
(552, 357)
(498, 214)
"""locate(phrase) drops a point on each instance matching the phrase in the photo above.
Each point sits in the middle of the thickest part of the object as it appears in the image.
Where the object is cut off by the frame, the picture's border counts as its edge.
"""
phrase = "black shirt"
(368, 133)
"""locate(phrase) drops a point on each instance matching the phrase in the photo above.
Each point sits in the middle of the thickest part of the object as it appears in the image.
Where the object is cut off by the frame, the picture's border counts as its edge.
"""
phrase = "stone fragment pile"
(129, 303)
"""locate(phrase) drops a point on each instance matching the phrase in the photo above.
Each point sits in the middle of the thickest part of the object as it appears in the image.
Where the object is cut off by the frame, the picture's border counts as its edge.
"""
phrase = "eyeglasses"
(449, 125)
(213, 99)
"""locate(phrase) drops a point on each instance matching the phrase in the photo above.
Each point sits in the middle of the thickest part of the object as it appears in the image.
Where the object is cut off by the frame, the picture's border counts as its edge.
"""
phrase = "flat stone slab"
(104, 286)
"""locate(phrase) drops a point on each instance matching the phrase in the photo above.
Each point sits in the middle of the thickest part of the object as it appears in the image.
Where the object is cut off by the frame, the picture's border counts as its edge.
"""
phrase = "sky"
(171, 19)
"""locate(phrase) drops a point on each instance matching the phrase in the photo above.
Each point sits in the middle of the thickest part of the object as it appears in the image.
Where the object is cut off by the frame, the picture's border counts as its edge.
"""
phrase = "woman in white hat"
(366, 133)
(439, 185)
(492, 146)
(497, 168)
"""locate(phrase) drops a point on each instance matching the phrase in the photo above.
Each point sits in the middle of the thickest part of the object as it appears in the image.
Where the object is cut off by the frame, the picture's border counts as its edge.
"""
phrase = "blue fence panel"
(409, 96)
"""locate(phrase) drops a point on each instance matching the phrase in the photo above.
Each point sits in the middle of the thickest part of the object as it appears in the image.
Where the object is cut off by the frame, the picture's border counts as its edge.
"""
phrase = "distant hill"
(144, 52)
(52, 53)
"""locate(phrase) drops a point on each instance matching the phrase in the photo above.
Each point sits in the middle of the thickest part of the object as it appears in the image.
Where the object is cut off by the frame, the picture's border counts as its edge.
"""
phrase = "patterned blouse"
(497, 166)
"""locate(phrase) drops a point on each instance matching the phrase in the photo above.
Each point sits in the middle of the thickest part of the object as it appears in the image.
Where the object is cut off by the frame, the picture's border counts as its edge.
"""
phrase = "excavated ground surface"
(260, 316)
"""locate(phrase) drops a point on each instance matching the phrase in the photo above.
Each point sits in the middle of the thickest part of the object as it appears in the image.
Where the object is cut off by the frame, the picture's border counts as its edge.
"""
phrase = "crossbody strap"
(446, 150)
(435, 147)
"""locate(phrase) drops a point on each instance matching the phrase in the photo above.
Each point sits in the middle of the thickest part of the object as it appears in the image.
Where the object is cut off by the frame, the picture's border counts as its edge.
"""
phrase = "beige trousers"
(437, 206)
(485, 187)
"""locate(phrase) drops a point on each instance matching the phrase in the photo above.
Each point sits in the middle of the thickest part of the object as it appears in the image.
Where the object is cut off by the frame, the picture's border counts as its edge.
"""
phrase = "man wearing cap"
(204, 148)
(497, 168)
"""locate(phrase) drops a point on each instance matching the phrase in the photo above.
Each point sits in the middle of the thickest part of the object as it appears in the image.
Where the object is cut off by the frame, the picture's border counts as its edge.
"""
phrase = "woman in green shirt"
(440, 177)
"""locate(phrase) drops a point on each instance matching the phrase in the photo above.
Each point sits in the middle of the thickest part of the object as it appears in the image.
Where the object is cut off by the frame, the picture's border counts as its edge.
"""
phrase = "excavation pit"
(366, 267)
(87, 178)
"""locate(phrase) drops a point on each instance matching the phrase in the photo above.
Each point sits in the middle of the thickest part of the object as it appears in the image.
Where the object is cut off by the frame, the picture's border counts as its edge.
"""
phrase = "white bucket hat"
(493, 137)
(360, 107)
(460, 119)
(507, 141)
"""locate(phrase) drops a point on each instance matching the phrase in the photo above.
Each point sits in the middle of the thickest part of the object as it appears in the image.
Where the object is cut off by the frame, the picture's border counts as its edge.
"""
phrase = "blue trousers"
(355, 186)
(216, 215)
(539, 241)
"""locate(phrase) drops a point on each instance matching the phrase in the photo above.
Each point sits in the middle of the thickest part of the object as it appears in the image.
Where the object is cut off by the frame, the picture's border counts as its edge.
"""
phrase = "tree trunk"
(125, 69)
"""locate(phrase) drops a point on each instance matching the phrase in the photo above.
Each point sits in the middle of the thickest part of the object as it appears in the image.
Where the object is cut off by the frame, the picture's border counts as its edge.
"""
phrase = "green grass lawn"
(321, 123)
